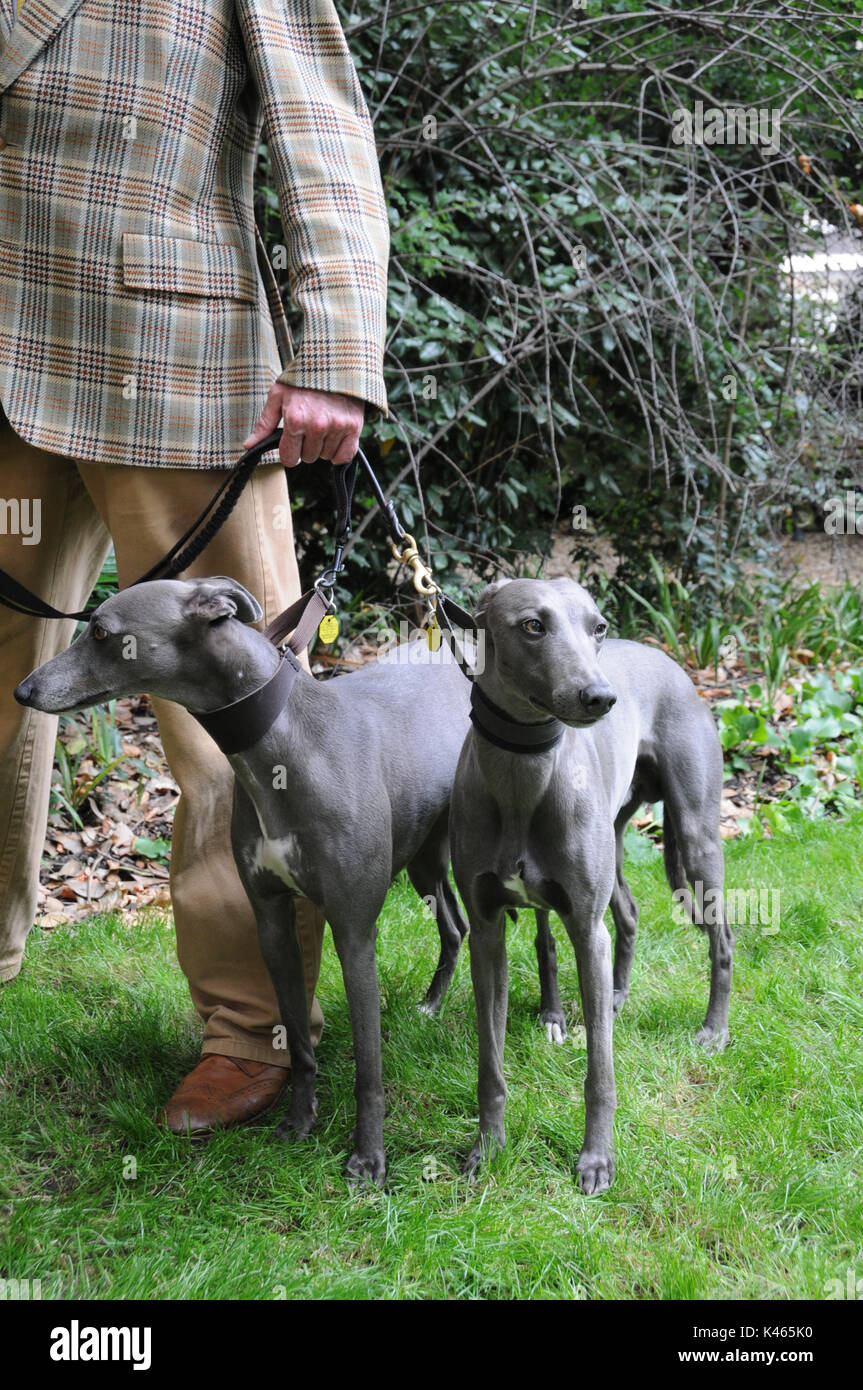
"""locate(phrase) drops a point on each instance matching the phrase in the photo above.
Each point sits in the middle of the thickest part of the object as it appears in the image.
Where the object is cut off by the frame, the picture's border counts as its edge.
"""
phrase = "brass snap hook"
(409, 555)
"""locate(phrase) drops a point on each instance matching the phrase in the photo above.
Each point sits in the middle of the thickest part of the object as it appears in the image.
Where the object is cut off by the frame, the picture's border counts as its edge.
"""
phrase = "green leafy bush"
(817, 742)
(584, 312)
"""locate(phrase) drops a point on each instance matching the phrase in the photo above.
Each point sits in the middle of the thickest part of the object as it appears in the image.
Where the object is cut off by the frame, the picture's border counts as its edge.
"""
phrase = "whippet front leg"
(356, 951)
(277, 933)
(550, 1008)
(487, 946)
(593, 957)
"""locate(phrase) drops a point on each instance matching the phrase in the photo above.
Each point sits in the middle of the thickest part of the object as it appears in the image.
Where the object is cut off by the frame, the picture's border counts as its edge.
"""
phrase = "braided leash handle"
(177, 559)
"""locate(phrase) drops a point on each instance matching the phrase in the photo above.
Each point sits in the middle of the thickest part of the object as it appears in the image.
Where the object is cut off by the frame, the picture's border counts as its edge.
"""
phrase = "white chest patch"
(280, 857)
(515, 884)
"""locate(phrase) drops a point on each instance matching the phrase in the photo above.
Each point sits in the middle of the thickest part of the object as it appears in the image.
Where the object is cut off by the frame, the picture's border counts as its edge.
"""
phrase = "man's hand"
(317, 424)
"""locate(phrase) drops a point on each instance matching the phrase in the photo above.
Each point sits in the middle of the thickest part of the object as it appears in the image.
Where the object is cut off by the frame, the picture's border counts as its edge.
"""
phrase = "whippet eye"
(99, 632)
(533, 625)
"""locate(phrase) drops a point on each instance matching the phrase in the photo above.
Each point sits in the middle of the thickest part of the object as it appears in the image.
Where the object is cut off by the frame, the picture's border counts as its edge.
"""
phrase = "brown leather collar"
(239, 725)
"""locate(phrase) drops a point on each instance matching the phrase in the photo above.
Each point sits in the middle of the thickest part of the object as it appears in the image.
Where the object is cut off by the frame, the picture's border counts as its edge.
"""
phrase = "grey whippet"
(348, 786)
(542, 795)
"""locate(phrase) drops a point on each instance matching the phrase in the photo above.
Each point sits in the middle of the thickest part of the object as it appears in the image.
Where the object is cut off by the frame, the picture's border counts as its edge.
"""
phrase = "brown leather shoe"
(223, 1091)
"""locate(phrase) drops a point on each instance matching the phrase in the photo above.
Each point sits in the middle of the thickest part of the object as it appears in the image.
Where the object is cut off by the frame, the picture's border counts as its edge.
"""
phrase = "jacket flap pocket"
(188, 267)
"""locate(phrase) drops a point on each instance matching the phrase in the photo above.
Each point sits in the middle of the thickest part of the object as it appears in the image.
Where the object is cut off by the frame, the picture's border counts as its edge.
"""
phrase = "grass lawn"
(738, 1176)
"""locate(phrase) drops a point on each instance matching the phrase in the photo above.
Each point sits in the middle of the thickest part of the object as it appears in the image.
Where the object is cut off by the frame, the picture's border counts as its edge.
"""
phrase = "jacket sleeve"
(322, 149)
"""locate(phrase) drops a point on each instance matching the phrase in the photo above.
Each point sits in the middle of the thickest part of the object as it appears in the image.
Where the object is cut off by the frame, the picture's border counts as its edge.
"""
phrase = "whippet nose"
(23, 693)
(597, 698)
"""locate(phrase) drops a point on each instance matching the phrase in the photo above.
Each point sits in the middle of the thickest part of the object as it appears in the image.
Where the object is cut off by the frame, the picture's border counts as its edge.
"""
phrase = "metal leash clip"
(321, 583)
(409, 555)
(328, 628)
(326, 580)
(434, 635)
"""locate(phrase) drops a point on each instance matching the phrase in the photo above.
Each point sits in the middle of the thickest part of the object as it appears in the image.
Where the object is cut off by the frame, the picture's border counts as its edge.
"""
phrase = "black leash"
(238, 725)
(210, 521)
(212, 518)
(242, 723)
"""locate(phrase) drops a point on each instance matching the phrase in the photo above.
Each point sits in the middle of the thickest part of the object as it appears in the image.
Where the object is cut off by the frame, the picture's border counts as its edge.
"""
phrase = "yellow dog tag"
(329, 628)
(433, 634)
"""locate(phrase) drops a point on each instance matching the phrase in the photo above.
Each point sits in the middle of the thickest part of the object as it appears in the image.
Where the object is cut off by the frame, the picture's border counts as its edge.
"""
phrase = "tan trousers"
(81, 506)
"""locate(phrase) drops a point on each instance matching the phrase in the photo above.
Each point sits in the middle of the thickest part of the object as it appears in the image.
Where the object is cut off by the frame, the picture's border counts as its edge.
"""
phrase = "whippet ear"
(485, 599)
(222, 597)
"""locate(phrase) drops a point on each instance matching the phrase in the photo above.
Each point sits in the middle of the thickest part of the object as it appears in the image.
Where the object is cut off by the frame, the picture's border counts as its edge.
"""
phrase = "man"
(140, 331)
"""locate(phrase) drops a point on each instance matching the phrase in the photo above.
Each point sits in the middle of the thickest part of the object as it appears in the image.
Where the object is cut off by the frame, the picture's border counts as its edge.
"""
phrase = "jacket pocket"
(188, 267)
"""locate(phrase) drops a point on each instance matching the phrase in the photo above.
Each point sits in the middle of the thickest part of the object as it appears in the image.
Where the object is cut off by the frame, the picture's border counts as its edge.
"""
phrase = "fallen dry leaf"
(49, 920)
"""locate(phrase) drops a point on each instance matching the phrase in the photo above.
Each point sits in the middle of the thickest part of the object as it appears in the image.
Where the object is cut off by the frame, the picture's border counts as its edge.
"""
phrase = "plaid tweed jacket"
(140, 321)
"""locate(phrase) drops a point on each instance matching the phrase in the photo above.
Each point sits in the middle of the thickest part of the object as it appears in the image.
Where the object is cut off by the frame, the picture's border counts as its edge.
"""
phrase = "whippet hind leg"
(694, 852)
(428, 872)
(488, 968)
(551, 1013)
(624, 911)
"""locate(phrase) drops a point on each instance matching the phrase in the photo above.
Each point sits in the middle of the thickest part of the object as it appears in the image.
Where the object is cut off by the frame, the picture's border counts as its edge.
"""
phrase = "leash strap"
(229, 491)
(501, 729)
(240, 724)
(449, 610)
(15, 596)
(344, 479)
(393, 525)
(301, 620)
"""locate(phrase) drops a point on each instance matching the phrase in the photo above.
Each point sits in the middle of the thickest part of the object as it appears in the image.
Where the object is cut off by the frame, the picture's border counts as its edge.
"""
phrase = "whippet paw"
(620, 998)
(370, 1168)
(472, 1164)
(293, 1128)
(428, 1008)
(554, 1024)
(712, 1039)
(595, 1173)
(485, 1146)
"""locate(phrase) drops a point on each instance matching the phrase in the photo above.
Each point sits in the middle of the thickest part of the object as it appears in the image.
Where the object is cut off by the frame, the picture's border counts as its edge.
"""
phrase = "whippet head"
(183, 640)
(543, 642)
